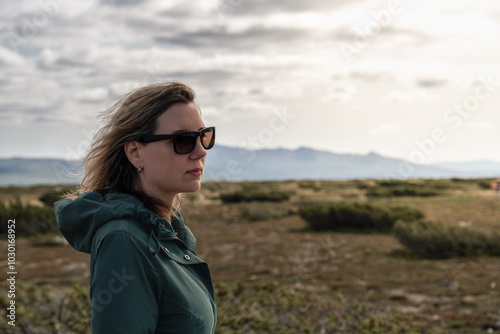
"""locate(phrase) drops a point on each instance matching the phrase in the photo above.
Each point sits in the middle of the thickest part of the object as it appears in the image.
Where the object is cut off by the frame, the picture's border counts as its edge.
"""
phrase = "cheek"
(157, 149)
(165, 164)
(156, 159)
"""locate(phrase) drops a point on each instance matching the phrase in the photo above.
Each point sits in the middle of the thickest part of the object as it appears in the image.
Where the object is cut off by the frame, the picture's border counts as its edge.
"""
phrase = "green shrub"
(361, 184)
(30, 219)
(48, 240)
(439, 184)
(349, 196)
(310, 184)
(399, 188)
(485, 183)
(214, 186)
(246, 196)
(461, 180)
(44, 309)
(49, 198)
(357, 215)
(273, 308)
(434, 240)
(406, 214)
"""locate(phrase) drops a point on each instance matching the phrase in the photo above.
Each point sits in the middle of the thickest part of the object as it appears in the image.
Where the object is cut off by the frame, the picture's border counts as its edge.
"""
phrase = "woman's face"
(166, 173)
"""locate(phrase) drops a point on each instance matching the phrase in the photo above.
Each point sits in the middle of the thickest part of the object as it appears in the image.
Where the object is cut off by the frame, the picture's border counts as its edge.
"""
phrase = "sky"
(407, 79)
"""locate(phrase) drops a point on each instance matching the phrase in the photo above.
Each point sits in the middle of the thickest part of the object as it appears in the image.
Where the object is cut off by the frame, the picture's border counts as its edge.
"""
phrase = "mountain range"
(236, 164)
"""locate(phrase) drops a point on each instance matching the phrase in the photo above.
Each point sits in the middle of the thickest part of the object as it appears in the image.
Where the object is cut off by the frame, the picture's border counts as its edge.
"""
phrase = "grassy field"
(273, 274)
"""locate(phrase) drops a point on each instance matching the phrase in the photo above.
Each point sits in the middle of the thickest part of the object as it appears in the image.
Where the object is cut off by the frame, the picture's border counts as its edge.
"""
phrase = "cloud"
(395, 34)
(266, 8)
(479, 125)
(434, 75)
(121, 3)
(340, 92)
(431, 82)
(372, 72)
(9, 58)
(18, 113)
(59, 60)
(93, 95)
(257, 36)
(386, 128)
(398, 96)
(424, 73)
(490, 79)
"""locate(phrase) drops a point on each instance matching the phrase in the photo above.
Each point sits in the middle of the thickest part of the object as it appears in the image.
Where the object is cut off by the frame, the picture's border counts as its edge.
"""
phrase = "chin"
(194, 187)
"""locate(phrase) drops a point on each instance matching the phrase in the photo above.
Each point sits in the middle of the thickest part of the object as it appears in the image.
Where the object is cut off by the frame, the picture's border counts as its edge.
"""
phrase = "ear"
(133, 152)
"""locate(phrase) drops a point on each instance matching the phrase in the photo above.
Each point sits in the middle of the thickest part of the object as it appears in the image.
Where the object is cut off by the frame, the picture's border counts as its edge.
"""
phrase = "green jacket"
(143, 277)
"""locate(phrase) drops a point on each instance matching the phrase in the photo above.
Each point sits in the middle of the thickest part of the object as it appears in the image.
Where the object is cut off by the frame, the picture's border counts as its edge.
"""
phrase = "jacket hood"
(78, 219)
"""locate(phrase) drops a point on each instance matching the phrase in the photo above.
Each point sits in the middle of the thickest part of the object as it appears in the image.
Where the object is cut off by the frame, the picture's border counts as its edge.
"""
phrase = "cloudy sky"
(415, 80)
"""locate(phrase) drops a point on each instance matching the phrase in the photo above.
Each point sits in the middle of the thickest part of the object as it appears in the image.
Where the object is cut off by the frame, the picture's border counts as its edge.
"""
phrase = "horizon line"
(484, 160)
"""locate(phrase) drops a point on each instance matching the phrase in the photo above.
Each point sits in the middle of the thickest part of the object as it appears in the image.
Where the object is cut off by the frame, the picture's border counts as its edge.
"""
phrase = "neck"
(166, 213)
(165, 210)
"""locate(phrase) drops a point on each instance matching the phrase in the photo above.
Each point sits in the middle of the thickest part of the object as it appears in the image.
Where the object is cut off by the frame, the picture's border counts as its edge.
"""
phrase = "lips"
(195, 172)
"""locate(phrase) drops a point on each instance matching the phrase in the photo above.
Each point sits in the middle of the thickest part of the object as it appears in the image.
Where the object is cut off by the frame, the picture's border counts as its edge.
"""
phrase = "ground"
(246, 252)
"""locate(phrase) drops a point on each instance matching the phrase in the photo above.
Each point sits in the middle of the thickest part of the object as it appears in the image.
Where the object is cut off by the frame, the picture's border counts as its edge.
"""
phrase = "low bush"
(486, 183)
(462, 180)
(349, 196)
(44, 309)
(310, 184)
(271, 308)
(434, 240)
(246, 196)
(361, 184)
(356, 215)
(406, 214)
(439, 184)
(48, 240)
(30, 219)
(49, 198)
(215, 186)
(399, 188)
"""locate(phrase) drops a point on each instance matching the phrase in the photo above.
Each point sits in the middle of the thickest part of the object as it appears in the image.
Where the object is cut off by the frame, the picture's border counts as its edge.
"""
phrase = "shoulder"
(121, 233)
(122, 243)
(122, 225)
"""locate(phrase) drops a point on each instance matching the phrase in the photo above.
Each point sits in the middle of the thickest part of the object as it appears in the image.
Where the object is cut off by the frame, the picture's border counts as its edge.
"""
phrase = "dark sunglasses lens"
(208, 139)
(184, 143)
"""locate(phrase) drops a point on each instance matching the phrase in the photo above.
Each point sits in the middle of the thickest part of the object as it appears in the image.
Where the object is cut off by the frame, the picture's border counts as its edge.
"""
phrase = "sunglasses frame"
(152, 138)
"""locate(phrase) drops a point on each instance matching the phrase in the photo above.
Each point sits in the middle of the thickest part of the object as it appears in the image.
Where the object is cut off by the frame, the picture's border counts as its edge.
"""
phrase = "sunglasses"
(185, 141)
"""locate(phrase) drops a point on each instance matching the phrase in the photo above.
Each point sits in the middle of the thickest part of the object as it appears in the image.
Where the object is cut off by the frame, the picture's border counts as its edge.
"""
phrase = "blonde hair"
(107, 168)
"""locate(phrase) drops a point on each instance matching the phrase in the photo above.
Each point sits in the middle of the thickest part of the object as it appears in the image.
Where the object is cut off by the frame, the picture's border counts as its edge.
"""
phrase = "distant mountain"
(25, 171)
(280, 164)
(486, 168)
(235, 164)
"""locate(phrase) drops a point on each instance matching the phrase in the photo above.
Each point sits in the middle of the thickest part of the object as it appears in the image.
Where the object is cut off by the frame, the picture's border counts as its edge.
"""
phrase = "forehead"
(180, 116)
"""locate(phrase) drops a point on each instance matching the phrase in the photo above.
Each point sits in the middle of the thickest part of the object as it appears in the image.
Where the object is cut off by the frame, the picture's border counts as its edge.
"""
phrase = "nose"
(199, 151)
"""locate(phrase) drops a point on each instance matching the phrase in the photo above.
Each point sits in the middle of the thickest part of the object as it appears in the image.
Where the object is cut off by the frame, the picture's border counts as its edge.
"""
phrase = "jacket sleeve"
(124, 286)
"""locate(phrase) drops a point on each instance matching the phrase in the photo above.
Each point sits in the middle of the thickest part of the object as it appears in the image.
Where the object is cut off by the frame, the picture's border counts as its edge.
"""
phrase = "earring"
(139, 170)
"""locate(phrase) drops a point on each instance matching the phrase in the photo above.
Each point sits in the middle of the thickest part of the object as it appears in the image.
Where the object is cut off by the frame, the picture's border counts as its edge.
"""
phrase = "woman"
(145, 276)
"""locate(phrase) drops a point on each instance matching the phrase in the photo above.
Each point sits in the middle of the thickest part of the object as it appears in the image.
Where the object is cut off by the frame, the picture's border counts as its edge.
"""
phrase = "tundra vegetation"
(315, 256)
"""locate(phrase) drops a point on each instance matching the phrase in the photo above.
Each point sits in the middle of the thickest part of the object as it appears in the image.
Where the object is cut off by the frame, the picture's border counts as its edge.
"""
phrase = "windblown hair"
(107, 168)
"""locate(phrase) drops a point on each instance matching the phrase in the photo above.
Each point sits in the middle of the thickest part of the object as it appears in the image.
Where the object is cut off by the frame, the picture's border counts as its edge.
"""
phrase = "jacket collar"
(175, 230)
